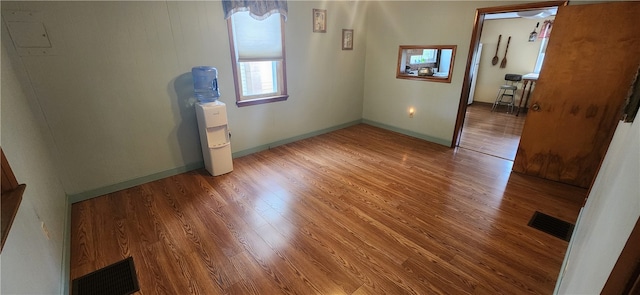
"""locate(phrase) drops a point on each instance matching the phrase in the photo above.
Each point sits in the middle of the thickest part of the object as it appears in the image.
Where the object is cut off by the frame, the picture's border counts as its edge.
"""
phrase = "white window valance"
(258, 9)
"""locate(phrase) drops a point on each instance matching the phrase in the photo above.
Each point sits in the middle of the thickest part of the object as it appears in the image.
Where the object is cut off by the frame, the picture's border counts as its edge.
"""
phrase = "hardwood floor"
(494, 133)
(361, 210)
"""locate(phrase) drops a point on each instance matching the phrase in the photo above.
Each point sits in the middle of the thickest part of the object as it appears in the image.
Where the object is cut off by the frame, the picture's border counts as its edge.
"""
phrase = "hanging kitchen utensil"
(504, 59)
(533, 35)
(495, 59)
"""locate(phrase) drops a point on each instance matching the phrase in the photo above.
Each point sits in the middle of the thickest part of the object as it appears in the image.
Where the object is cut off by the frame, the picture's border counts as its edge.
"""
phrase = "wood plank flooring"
(494, 133)
(361, 210)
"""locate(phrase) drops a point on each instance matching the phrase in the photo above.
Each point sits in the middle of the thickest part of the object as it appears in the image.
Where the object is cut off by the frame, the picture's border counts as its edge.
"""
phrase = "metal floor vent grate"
(551, 225)
(116, 279)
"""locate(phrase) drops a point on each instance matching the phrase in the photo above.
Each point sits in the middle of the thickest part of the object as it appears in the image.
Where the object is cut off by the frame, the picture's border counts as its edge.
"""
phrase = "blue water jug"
(205, 83)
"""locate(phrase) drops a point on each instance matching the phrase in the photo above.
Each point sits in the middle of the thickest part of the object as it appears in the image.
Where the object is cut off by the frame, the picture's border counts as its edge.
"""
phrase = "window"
(258, 57)
(426, 62)
(428, 56)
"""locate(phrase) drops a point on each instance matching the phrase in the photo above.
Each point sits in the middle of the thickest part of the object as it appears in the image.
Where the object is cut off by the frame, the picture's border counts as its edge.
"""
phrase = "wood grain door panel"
(590, 63)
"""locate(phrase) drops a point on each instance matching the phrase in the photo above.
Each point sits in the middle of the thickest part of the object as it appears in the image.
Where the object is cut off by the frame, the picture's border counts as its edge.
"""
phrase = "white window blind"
(257, 40)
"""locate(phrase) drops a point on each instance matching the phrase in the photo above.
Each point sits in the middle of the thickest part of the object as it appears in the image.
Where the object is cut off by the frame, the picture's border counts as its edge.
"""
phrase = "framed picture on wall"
(319, 20)
(347, 39)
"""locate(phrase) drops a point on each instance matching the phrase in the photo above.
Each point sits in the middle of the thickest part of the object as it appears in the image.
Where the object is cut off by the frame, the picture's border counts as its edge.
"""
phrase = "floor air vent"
(552, 225)
(116, 279)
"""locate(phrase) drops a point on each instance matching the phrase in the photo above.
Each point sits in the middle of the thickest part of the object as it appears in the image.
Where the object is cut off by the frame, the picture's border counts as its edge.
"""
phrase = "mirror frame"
(401, 75)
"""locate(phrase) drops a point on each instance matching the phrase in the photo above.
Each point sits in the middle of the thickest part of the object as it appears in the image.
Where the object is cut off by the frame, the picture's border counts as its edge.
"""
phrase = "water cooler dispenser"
(212, 122)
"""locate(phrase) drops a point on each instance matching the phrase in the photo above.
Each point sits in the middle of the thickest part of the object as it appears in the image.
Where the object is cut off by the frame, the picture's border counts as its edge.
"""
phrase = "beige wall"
(521, 57)
(31, 262)
(116, 92)
(387, 99)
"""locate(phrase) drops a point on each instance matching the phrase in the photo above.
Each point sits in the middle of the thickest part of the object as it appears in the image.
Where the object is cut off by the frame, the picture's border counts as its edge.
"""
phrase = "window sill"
(10, 204)
(250, 102)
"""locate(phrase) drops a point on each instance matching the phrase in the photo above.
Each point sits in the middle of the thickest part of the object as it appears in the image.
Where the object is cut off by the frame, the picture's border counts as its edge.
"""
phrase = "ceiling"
(541, 13)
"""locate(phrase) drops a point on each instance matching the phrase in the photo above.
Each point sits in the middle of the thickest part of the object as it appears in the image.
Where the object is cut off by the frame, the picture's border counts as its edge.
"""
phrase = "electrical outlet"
(45, 231)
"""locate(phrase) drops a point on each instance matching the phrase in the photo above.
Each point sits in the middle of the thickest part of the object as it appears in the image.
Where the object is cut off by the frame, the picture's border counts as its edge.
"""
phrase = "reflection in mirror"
(430, 63)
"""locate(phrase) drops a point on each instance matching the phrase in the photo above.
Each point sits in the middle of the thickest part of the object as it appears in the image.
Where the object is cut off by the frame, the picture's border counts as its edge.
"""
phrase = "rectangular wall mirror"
(426, 62)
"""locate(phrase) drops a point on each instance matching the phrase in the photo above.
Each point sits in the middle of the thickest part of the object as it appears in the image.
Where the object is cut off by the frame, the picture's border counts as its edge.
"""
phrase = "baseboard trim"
(66, 251)
(75, 198)
(445, 142)
(293, 139)
(133, 182)
(556, 290)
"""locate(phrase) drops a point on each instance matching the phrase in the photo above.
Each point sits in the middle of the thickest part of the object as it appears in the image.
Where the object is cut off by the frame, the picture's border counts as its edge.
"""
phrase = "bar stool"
(507, 92)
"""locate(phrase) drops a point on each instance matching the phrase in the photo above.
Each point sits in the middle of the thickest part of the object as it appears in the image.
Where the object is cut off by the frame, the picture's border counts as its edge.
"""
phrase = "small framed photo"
(319, 20)
(347, 39)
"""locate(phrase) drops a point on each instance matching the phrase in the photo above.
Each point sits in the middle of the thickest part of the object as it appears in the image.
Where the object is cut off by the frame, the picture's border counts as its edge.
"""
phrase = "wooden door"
(625, 275)
(589, 67)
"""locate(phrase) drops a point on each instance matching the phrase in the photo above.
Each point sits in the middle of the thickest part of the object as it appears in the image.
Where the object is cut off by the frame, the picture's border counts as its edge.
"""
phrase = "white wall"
(521, 57)
(116, 93)
(30, 263)
(611, 211)
(387, 99)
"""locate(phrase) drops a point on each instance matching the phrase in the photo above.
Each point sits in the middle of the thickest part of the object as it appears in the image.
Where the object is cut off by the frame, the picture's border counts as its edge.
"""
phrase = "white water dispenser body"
(214, 137)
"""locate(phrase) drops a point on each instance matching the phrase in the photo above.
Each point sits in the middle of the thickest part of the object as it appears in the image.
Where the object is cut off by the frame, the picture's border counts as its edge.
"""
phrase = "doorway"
(494, 133)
